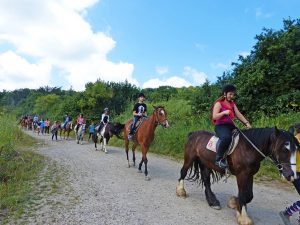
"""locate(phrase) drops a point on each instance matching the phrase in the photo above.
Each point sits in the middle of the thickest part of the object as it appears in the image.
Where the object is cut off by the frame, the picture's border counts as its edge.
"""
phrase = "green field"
(19, 167)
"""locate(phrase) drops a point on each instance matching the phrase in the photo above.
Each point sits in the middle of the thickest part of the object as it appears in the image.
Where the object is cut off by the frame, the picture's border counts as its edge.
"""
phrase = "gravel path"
(98, 188)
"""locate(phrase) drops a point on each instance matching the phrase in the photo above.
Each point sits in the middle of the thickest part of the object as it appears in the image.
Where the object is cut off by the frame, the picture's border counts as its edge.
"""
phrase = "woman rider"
(224, 111)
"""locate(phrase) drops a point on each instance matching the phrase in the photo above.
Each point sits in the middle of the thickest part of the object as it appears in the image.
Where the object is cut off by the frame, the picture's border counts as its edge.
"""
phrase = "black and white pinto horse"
(107, 131)
(80, 133)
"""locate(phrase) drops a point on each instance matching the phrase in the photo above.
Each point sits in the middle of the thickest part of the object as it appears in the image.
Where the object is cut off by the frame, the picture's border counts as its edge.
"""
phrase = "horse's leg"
(188, 160)
(145, 160)
(104, 143)
(210, 196)
(127, 149)
(245, 186)
(95, 139)
(133, 155)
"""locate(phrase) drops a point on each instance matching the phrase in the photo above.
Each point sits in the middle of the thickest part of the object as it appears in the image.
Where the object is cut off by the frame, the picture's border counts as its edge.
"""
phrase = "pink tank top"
(226, 119)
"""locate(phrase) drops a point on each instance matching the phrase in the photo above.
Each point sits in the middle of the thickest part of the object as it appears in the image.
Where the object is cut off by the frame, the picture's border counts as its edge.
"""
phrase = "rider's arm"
(240, 116)
(216, 111)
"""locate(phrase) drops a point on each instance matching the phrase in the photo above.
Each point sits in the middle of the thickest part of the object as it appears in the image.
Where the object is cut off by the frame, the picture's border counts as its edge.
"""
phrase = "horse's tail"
(195, 173)
(118, 128)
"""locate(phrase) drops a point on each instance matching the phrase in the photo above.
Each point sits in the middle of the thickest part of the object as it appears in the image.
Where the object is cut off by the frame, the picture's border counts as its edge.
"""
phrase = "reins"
(277, 164)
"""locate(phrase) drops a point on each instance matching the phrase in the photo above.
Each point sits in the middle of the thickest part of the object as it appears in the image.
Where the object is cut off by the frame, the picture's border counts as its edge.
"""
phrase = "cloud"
(198, 77)
(244, 54)
(162, 69)
(222, 66)
(16, 72)
(174, 81)
(260, 14)
(57, 33)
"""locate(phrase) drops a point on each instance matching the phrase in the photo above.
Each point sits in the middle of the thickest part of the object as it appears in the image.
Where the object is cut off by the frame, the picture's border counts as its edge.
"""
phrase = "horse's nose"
(167, 124)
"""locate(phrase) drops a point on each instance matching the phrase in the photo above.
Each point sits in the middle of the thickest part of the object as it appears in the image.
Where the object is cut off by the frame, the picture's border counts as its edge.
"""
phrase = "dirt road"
(92, 187)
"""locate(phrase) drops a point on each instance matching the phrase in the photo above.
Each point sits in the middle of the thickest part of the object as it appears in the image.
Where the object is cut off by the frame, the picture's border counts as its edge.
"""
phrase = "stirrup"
(222, 164)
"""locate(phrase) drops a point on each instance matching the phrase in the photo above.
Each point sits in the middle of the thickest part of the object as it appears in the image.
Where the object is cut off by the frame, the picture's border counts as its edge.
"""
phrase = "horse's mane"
(259, 136)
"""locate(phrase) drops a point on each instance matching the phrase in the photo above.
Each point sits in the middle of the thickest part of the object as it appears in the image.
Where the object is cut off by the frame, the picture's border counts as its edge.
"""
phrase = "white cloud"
(259, 13)
(16, 72)
(174, 81)
(197, 77)
(57, 33)
(222, 66)
(244, 54)
(162, 69)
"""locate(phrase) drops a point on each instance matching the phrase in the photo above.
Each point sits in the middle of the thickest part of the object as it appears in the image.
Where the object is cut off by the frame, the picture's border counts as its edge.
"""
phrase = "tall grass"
(171, 141)
(18, 167)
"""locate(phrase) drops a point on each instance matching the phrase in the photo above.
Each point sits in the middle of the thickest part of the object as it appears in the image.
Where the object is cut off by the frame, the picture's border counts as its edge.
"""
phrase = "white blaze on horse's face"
(287, 145)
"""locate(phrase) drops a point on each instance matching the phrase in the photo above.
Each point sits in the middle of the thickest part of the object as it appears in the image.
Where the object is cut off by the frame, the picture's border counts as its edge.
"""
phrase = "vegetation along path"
(98, 188)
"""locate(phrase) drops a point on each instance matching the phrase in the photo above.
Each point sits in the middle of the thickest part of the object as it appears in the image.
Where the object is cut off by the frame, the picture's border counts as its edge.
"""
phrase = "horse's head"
(284, 147)
(161, 116)
(117, 128)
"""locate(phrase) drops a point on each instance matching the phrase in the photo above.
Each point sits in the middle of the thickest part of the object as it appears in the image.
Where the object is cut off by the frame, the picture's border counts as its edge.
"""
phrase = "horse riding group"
(208, 156)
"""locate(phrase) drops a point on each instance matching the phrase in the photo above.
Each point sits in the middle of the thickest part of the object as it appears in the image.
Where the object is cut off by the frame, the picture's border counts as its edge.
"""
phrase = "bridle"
(162, 123)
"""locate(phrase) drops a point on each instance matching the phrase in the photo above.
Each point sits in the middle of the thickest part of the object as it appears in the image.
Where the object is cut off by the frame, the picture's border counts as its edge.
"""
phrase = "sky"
(150, 43)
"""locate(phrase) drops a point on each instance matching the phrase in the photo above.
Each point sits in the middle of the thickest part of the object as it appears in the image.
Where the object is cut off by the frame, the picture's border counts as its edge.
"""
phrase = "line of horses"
(277, 144)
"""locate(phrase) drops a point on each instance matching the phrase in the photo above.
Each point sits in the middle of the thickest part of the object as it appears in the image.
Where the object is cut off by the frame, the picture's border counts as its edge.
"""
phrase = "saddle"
(213, 142)
(138, 124)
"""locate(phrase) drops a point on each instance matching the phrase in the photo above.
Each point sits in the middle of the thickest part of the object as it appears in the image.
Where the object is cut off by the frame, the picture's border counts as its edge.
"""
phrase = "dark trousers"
(54, 134)
(47, 130)
(135, 120)
(91, 135)
(224, 133)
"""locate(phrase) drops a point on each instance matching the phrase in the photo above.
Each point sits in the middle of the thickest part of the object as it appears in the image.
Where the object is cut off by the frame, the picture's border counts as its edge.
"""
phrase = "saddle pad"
(212, 143)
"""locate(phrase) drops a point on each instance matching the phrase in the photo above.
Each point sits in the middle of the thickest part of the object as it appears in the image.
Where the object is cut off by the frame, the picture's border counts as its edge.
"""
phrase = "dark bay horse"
(145, 135)
(244, 162)
(67, 129)
(106, 133)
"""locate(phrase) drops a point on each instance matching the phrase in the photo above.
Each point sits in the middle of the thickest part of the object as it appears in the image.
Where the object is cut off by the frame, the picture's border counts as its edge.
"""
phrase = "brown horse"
(67, 129)
(244, 162)
(145, 135)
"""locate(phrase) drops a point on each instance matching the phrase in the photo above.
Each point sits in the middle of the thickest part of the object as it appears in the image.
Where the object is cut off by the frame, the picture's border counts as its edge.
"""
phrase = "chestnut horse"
(244, 162)
(145, 135)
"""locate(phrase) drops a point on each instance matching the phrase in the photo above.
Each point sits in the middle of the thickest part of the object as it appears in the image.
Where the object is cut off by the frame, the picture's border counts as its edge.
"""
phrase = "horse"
(22, 122)
(106, 133)
(68, 129)
(145, 135)
(80, 133)
(244, 163)
(29, 123)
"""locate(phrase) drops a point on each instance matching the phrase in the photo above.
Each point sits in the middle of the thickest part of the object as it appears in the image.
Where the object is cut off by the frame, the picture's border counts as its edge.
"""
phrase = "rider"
(139, 110)
(223, 113)
(80, 121)
(104, 119)
(35, 120)
(66, 120)
(285, 215)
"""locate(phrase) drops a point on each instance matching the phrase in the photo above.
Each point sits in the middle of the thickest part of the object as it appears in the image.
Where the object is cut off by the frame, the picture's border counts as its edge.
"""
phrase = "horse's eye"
(287, 145)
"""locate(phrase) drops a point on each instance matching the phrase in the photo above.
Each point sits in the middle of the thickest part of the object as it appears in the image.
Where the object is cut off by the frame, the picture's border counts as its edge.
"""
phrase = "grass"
(18, 167)
(170, 142)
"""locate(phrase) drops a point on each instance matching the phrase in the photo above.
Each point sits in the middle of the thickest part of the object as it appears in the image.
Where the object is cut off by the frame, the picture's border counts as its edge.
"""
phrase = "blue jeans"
(135, 120)
(224, 133)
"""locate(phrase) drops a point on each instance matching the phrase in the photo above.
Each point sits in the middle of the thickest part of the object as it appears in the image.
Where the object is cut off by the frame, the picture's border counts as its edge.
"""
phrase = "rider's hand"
(248, 125)
(226, 112)
(140, 114)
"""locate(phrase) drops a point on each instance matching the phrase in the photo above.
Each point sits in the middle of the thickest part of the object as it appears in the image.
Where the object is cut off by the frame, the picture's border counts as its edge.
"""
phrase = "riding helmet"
(229, 88)
(141, 95)
(106, 110)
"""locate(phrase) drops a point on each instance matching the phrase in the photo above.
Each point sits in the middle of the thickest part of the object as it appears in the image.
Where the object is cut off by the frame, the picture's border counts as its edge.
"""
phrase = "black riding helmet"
(141, 95)
(228, 88)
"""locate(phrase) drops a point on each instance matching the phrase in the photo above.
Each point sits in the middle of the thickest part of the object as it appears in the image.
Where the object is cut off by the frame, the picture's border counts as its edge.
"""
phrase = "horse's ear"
(277, 131)
(291, 130)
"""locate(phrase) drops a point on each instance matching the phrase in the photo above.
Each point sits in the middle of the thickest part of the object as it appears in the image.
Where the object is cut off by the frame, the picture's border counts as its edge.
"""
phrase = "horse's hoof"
(180, 192)
(216, 207)
(232, 202)
(139, 171)
(147, 178)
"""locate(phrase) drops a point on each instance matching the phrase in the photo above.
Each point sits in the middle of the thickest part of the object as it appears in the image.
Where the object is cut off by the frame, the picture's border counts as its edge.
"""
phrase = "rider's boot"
(220, 160)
